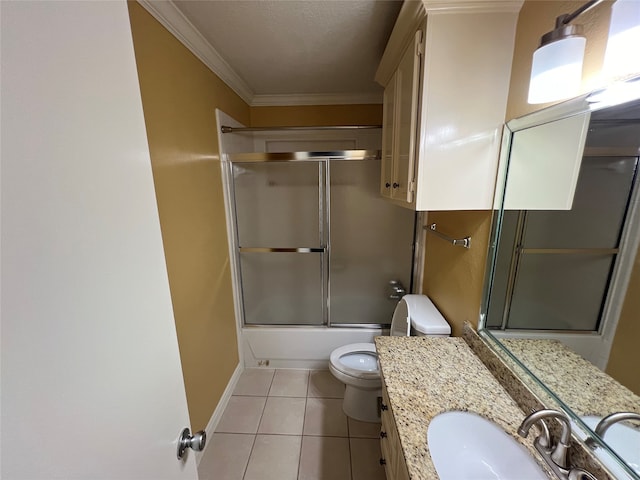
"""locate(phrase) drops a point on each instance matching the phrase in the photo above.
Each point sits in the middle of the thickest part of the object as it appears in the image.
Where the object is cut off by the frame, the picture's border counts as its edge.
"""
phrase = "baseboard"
(222, 404)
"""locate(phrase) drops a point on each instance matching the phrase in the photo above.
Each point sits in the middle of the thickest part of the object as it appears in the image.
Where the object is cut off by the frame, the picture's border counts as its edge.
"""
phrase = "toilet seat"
(357, 360)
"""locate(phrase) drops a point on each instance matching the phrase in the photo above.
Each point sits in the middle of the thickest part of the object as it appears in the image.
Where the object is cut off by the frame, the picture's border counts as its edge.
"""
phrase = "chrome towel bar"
(462, 242)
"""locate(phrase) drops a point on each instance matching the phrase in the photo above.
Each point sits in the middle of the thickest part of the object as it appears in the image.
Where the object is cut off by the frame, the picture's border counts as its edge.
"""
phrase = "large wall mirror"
(562, 296)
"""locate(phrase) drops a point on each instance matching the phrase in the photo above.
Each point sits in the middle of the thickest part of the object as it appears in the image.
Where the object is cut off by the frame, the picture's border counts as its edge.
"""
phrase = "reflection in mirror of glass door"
(554, 267)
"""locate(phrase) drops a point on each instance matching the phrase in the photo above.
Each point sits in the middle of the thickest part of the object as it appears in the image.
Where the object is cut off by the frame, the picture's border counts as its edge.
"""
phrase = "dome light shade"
(623, 47)
(556, 73)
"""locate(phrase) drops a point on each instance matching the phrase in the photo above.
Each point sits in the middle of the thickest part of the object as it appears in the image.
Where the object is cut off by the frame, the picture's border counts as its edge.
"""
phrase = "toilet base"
(362, 404)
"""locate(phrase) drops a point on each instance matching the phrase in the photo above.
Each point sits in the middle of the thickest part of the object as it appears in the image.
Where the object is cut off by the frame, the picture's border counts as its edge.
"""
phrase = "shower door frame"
(324, 216)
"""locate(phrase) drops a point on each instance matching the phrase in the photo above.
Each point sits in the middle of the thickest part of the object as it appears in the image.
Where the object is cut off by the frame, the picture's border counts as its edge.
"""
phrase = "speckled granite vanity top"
(590, 391)
(426, 376)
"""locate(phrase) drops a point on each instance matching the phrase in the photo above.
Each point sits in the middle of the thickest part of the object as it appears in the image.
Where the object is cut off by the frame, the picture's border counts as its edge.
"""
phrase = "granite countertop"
(425, 376)
(585, 388)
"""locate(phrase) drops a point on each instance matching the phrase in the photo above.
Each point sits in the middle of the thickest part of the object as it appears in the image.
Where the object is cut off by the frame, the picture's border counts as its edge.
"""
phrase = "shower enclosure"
(316, 245)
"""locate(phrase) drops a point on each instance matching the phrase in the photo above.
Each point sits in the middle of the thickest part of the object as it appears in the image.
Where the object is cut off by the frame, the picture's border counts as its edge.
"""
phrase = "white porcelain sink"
(623, 439)
(466, 445)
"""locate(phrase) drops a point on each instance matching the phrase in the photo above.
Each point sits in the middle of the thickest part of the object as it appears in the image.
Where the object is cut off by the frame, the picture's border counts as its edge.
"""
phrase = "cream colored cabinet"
(399, 129)
(392, 454)
(446, 72)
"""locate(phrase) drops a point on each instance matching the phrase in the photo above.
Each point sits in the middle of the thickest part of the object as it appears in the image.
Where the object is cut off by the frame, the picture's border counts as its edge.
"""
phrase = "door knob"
(195, 442)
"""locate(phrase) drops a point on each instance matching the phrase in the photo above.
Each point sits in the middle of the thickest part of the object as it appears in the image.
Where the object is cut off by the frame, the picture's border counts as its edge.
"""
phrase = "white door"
(92, 386)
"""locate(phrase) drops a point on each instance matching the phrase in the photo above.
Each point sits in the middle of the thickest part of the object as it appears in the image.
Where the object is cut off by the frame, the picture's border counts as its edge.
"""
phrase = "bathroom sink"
(466, 445)
(623, 439)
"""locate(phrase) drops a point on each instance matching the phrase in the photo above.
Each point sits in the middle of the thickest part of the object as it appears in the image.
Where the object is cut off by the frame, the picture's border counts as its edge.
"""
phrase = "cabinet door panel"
(388, 130)
(407, 84)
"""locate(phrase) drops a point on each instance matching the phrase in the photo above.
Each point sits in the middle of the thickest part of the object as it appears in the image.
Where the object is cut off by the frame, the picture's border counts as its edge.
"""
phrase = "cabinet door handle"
(387, 185)
(383, 407)
(383, 461)
(383, 434)
(396, 185)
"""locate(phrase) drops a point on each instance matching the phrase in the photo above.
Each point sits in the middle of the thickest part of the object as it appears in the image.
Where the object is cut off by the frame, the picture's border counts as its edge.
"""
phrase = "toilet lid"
(357, 359)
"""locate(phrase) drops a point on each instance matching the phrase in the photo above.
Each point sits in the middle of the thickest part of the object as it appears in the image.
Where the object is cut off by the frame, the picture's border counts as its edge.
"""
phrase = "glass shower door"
(371, 243)
(281, 238)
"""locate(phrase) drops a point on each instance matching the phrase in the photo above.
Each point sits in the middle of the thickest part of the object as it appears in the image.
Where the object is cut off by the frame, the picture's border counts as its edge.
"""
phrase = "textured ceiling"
(298, 47)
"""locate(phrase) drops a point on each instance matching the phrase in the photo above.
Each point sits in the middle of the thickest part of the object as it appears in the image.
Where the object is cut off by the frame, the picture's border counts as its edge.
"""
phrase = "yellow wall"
(625, 354)
(454, 276)
(316, 115)
(179, 95)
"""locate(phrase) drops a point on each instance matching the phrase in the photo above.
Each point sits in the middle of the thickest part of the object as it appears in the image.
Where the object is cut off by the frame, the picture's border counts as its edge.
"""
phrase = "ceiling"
(296, 51)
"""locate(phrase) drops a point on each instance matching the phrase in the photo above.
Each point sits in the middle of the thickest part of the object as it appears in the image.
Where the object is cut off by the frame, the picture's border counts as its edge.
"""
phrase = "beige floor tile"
(289, 383)
(365, 459)
(274, 457)
(242, 415)
(226, 456)
(324, 416)
(359, 429)
(255, 381)
(283, 415)
(323, 384)
(325, 458)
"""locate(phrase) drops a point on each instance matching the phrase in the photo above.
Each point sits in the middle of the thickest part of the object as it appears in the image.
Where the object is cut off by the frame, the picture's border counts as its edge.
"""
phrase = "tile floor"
(287, 425)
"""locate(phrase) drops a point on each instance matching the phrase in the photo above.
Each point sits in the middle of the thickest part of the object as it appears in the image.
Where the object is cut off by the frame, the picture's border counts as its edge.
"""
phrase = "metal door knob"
(195, 442)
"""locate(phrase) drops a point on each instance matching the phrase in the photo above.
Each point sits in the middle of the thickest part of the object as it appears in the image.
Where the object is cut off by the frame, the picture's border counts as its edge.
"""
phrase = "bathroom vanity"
(424, 377)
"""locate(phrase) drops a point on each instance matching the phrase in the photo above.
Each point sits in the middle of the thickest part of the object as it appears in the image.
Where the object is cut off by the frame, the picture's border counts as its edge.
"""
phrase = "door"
(281, 235)
(317, 244)
(92, 385)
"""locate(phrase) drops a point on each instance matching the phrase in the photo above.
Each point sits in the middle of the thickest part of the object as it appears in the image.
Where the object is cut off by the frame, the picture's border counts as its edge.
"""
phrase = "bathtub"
(299, 347)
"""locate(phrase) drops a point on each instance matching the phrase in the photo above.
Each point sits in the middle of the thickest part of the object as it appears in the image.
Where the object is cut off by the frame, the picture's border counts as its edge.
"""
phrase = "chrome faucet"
(609, 420)
(555, 455)
(397, 290)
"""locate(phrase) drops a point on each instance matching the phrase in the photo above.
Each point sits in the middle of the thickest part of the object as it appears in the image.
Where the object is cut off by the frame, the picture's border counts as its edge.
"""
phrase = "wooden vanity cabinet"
(392, 454)
(446, 72)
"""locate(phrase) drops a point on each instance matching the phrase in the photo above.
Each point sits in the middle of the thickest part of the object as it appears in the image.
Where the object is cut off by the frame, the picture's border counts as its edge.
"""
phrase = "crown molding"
(173, 20)
(472, 6)
(316, 99)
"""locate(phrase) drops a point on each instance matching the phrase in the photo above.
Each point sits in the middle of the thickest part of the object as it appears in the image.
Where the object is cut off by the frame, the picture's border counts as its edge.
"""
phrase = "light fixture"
(556, 72)
(623, 47)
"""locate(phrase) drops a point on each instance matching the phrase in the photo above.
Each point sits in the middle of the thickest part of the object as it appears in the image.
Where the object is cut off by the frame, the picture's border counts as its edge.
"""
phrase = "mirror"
(563, 285)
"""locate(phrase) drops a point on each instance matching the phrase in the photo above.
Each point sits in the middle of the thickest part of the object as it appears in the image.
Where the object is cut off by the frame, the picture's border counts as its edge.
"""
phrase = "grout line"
(350, 455)
(246, 467)
(271, 382)
(304, 418)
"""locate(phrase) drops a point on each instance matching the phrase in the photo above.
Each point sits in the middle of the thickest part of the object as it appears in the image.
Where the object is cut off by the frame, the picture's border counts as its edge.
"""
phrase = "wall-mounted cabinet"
(544, 155)
(446, 72)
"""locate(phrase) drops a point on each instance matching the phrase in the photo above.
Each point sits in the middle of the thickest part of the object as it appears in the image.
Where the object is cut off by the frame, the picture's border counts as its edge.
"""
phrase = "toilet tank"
(417, 315)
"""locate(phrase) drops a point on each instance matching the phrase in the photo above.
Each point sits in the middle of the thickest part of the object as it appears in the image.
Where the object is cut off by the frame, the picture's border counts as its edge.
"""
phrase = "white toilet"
(356, 365)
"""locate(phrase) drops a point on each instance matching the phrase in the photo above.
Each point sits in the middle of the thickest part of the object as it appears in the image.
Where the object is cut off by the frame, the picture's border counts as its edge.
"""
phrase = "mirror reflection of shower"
(317, 244)
(555, 270)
